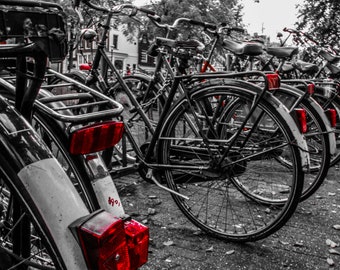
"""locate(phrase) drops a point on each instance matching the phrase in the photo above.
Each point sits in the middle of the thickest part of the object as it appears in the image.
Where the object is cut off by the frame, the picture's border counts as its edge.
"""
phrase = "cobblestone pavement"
(309, 241)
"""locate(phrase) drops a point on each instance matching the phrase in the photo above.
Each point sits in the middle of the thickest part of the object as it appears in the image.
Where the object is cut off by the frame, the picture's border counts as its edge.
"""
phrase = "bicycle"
(211, 158)
(36, 230)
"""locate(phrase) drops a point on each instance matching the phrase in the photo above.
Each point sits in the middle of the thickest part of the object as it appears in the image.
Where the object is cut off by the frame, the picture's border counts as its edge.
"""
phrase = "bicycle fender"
(299, 137)
(59, 204)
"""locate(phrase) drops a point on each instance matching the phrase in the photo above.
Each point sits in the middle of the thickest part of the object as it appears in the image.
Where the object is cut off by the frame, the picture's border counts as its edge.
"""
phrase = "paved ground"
(309, 241)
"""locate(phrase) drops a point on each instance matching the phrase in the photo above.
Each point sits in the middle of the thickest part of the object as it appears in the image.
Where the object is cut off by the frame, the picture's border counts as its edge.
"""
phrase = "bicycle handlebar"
(207, 26)
(299, 33)
(115, 9)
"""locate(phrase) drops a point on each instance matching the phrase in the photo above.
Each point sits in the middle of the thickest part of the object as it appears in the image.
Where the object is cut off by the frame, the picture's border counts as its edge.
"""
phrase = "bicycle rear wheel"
(249, 194)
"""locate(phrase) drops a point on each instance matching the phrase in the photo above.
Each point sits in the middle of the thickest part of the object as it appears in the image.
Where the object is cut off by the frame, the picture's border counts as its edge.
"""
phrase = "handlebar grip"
(155, 18)
(193, 22)
(210, 26)
(203, 24)
(147, 11)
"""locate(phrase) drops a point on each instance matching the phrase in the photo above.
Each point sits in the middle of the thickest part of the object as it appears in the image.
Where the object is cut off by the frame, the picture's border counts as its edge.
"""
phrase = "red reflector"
(331, 114)
(85, 67)
(302, 119)
(96, 137)
(137, 236)
(273, 80)
(103, 242)
(311, 88)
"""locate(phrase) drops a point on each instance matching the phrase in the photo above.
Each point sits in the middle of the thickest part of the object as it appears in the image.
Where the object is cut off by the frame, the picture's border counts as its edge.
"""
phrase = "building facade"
(126, 55)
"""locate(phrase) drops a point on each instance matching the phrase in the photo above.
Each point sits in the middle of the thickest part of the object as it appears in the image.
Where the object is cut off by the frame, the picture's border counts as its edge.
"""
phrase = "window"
(144, 56)
(114, 41)
(119, 64)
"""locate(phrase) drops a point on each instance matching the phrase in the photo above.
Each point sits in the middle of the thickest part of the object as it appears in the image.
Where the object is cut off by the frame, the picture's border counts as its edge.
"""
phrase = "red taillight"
(85, 67)
(331, 114)
(311, 88)
(137, 236)
(273, 80)
(111, 243)
(96, 137)
(302, 119)
(103, 241)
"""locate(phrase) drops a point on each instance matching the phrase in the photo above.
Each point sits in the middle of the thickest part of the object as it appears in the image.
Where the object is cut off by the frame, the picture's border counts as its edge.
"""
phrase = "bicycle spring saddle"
(334, 70)
(305, 67)
(329, 57)
(282, 52)
(191, 44)
(243, 48)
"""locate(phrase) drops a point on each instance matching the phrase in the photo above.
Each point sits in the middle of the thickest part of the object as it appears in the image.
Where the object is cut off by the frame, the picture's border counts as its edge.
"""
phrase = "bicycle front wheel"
(237, 188)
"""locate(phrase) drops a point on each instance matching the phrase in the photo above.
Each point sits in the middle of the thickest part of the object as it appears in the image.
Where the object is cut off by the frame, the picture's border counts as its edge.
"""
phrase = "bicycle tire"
(212, 192)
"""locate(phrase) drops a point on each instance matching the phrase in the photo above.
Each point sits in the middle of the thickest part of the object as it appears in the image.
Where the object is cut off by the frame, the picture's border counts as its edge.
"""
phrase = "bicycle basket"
(44, 26)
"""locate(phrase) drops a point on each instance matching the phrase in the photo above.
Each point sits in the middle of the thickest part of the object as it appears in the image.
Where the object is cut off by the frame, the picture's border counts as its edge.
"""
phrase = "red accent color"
(96, 137)
(273, 80)
(331, 114)
(103, 242)
(85, 66)
(311, 88)
(302, 119)
(137, 236)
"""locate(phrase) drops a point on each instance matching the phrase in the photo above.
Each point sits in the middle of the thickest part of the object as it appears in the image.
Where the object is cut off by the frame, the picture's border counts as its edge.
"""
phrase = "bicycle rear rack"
(81, 107)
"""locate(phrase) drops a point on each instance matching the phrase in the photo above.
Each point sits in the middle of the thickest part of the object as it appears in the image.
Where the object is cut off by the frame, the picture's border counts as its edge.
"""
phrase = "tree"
(211, 11)
(321, 18)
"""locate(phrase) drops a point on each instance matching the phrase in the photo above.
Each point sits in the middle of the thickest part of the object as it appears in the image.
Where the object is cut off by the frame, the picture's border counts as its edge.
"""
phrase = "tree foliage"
(211, 11)
(321, 18)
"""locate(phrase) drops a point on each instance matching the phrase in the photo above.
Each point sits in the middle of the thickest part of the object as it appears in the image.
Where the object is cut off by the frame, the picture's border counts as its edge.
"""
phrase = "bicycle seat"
(334, 70)
(328, 56)
(306, 67)
(282, 52)
(287, 67)
(244, 48)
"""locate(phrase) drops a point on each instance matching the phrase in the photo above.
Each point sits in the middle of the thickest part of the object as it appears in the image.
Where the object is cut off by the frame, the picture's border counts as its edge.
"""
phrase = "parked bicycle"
(207, 146)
